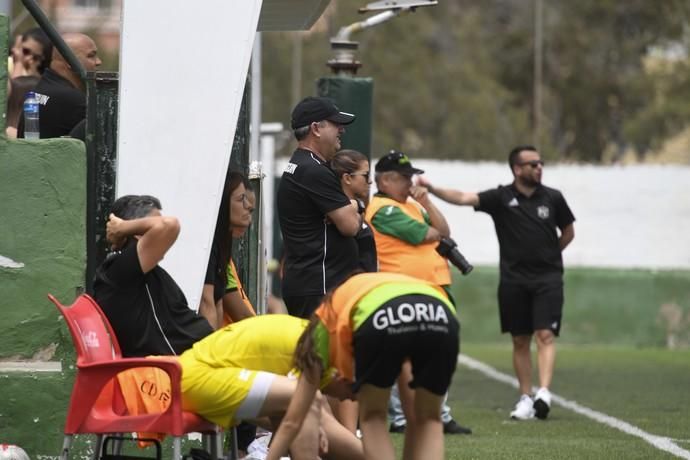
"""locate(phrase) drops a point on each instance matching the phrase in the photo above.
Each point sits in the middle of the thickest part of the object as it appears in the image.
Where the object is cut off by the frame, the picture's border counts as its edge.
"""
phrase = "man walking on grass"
(526, 216)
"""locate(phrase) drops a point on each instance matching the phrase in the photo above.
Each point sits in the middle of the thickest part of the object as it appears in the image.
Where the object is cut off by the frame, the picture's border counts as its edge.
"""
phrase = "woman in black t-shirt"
(352, 168)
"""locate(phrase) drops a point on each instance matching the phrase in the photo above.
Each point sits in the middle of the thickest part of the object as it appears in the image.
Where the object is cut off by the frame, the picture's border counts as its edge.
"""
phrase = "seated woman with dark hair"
(218, 304)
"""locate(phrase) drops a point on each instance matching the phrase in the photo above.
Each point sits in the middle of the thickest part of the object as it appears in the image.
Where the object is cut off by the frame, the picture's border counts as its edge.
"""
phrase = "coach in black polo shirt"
(317, 220)
(528, 217)
(144, 304)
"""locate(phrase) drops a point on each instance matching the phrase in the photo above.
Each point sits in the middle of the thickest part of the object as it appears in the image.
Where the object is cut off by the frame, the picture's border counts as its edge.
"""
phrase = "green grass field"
(643, 387)
(648, 388)
(611, 359)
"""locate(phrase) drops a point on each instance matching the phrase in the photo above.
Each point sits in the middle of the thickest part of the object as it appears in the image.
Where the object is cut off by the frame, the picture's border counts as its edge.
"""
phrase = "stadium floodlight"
(393, 4)
(388, 10)
(344, 50)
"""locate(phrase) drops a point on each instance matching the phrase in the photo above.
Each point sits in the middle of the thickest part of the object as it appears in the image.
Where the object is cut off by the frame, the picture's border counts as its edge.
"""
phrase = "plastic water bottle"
(31, 130)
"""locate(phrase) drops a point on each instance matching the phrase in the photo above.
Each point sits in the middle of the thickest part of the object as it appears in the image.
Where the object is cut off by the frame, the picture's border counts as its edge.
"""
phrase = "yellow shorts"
(223, 395)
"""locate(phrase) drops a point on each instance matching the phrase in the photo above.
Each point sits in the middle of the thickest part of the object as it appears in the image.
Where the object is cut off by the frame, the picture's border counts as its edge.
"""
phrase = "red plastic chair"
(96, 405)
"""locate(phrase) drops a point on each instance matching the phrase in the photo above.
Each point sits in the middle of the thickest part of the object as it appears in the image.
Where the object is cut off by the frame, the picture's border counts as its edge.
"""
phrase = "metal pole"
(6, 8)
(255, 112)
(43, 21)
(296, 68)
(538, 29)
(269, 131)
(255, 172)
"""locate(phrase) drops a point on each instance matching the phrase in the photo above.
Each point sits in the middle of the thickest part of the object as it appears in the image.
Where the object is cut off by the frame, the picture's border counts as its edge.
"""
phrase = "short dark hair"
(130, 207)
(301, 132)
(513, 155)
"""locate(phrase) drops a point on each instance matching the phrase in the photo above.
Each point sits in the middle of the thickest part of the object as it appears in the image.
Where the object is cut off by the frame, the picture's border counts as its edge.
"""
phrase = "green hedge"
(602, 306)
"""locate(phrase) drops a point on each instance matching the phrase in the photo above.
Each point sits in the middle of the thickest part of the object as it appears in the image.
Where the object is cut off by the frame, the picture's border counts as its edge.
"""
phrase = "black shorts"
(525, 308)
(415, 327)
(302, 306)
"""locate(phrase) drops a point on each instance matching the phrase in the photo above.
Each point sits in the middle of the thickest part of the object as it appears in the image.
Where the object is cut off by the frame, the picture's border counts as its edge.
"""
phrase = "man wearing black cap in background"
(317, 220)
(407, 227)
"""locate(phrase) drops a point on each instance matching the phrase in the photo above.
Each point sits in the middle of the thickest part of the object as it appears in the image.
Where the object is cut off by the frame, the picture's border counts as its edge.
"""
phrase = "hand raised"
(114, 232)
(419, 193)
(423, 182)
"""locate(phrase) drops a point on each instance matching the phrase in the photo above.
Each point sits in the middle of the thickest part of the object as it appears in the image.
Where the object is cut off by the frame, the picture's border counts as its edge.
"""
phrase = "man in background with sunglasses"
(526, 215)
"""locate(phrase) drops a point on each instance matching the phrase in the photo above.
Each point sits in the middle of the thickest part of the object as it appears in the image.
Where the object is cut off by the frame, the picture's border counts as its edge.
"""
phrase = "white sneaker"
(524, 409)
(542, 403)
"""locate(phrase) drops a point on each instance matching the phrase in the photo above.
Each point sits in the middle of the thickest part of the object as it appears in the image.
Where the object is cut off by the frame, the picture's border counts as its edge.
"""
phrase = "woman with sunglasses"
(380, 327)
(352, 168)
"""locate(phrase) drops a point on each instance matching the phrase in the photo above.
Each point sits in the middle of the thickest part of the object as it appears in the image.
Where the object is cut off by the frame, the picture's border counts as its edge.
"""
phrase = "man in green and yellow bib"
(407, 227)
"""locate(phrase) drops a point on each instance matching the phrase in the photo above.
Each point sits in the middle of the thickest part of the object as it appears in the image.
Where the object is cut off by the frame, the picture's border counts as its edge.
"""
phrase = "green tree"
(456, 80)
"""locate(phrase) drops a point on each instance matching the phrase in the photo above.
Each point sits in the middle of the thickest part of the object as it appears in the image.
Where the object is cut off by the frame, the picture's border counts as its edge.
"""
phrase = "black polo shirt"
(61, 106)
(148, 311)
(317, 255)
(526, 230)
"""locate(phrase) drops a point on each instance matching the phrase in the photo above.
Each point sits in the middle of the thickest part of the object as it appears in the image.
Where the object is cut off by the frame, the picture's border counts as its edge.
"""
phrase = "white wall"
(626, 216)
(183, 67)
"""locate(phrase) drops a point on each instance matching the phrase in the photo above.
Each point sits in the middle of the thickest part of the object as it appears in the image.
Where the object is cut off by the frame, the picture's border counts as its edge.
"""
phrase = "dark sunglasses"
(364, 174)
(533, 163)
(28, 52)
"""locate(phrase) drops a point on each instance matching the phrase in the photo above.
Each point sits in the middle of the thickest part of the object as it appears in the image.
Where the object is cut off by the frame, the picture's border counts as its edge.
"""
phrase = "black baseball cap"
(312, 109)
(396, 161)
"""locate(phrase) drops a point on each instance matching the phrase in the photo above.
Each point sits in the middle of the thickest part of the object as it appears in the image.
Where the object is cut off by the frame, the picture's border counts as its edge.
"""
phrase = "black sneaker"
(542, 403)
(451, 427)
(397, 428)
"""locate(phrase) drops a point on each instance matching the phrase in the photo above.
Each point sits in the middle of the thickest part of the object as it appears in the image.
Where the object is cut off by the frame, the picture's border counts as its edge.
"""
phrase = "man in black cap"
(407, 227)
(317, 220)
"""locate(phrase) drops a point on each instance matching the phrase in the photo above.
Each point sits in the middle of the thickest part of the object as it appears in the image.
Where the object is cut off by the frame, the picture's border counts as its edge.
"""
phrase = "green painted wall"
(4, 41)
(43, 209)
(42, 225)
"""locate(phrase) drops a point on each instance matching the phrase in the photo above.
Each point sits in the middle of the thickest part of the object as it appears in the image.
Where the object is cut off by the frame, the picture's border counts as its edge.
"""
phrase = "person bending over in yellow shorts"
(244, 371)
(380, 327)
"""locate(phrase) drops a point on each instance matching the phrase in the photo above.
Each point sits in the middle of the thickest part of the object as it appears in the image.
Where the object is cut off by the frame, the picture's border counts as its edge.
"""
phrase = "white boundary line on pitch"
(30, 366)
(660, 442)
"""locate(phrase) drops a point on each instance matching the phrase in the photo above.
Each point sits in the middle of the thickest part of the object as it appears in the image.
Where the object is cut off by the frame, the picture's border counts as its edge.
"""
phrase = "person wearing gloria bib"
(374, 329)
